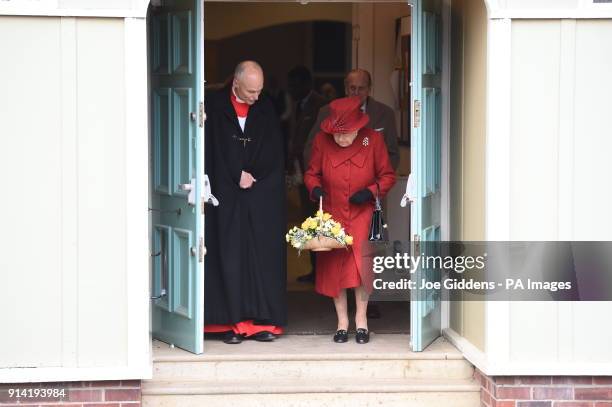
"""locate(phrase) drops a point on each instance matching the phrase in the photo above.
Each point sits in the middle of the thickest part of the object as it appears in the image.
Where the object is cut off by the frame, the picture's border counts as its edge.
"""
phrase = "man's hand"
(246, 180)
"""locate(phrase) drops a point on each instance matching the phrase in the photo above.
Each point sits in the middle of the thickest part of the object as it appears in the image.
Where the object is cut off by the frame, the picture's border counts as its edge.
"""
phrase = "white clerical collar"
(236, 96)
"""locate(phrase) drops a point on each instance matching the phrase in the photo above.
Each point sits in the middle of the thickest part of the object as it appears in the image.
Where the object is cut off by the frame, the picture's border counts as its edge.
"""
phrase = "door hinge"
(201, 114)
(201, 250)
(417, 114)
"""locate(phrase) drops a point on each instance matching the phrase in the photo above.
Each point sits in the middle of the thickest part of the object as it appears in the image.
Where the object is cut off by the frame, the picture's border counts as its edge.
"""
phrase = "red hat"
(345, 116)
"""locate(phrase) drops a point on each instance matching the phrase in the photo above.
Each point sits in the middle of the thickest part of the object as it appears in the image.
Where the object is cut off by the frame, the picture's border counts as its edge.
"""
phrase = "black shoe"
(373, 311)
(232, 338)
(341, 336)
(362, 336)
(264, 336)
(307, 278)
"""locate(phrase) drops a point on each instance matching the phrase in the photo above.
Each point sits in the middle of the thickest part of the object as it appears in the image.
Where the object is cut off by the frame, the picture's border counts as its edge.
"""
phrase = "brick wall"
(118, 393)
(544, 391)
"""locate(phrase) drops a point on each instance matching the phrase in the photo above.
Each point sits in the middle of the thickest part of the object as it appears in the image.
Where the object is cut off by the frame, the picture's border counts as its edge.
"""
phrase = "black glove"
(317, 193)
(362, 196)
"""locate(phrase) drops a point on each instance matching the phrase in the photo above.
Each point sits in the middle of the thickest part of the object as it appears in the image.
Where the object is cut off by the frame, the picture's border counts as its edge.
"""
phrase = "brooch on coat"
(365, 141)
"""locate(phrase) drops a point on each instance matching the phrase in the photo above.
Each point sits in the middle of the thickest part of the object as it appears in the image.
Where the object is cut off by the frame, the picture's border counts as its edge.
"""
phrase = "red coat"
(342, 171)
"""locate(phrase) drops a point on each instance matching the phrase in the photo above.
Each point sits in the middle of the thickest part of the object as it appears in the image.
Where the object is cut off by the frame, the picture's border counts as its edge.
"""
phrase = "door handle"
(164, 269)
(207, 196)
(410, 194)
(190, 188)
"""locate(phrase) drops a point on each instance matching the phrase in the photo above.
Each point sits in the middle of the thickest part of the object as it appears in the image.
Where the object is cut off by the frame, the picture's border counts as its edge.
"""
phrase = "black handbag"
(378, 227)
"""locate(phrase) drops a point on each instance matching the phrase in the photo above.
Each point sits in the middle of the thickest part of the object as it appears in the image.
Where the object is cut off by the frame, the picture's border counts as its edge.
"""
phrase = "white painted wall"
(548, 9)
(73, 160)
(89, 8)
(557, 168)
(376, 45)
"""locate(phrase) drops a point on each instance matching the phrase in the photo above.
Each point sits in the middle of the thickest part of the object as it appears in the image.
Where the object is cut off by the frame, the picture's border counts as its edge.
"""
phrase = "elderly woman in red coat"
(348, 164)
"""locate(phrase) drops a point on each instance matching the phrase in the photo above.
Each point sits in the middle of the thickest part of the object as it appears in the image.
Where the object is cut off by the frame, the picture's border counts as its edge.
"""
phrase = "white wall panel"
(592, 195)
(535, 73)
(592, 332)
(534, 130)
(549, 9)
(68, 214)
(31, 207)
(99, 4)
(593, 131)
(533, 331)
(560, 166)
(101, 184)
(539, 4)
(70, 221)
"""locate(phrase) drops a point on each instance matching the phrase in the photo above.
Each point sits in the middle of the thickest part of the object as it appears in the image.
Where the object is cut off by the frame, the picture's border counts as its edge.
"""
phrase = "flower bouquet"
(319, 233)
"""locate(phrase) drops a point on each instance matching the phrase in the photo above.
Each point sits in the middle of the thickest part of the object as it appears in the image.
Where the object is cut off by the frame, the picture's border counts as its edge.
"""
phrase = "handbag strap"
(378, 205)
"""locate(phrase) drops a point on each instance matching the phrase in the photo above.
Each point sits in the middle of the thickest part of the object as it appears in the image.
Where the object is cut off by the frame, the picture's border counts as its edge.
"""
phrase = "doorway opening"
(328, 40)
(371, 36)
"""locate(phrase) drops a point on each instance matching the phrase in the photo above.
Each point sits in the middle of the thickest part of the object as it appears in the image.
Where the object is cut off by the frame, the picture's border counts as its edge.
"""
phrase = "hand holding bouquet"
(319, 233)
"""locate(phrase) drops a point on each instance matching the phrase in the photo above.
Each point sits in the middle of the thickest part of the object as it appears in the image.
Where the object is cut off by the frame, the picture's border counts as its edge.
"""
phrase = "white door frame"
(445, 223)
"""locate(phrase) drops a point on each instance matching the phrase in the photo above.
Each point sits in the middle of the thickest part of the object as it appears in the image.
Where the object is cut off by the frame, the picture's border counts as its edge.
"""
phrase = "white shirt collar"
(364, 105)
(236, 96)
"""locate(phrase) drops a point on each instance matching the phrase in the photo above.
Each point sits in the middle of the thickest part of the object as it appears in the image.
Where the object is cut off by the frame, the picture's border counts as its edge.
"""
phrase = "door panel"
(161, 140)
(426, 140)
(182, 50)
(183, 139)
(176, 91)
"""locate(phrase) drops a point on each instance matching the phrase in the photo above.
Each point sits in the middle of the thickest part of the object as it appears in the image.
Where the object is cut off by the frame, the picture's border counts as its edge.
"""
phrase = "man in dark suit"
(307, 104)
(358, 82)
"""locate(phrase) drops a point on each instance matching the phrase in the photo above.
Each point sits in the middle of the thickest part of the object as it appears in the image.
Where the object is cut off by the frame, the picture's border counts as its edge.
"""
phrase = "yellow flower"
(319, 213)
(309, 223)
(335, 230)
(326, 216)
(348, 239)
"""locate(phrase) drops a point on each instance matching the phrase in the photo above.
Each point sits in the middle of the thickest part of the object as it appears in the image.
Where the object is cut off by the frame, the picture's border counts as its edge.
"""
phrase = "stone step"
(314, 369)
(313, 358)
(311, 393)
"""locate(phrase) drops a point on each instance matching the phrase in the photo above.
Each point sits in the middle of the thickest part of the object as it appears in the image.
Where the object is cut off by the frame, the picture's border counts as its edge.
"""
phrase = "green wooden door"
(175, 44)
(426, 160)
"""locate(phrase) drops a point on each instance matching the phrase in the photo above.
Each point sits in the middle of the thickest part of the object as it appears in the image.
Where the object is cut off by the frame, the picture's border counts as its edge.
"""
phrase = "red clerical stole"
(241, 108)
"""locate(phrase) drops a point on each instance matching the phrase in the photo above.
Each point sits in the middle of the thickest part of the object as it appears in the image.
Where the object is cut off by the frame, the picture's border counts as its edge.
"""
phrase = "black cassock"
(245, 265)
